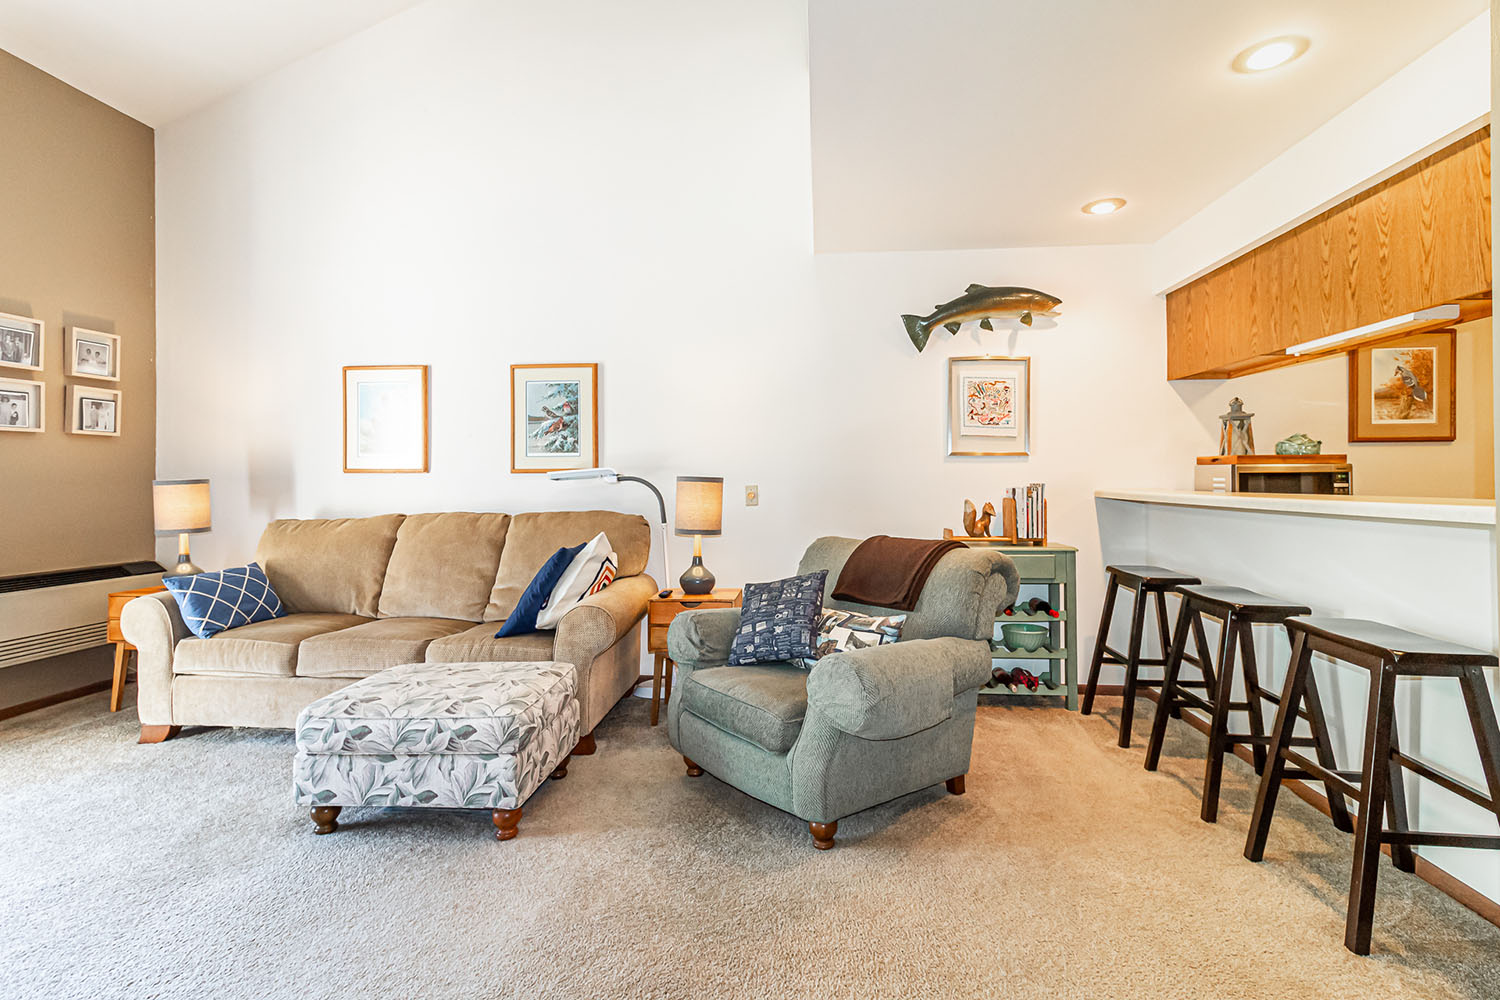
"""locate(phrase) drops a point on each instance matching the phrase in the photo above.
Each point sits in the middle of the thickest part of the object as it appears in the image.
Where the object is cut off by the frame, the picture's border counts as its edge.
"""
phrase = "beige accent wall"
(1313, 397)
(77, 200)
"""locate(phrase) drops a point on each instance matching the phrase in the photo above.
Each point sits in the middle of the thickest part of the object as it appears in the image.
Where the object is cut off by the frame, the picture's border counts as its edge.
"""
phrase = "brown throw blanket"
(890, 572)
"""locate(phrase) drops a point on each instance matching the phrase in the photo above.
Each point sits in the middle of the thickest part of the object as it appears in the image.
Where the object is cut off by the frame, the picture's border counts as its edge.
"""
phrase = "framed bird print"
(554, 417)
(1404, 391)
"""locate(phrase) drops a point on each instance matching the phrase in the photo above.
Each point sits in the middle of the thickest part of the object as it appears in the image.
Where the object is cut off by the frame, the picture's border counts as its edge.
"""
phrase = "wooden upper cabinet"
(1419, 239)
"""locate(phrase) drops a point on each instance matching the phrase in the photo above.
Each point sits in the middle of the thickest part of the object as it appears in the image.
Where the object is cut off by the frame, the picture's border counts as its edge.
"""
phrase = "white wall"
(474, 184)
(1439, 97)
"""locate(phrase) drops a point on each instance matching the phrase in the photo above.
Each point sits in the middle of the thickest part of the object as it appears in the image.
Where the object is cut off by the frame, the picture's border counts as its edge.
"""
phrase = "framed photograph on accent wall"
(93, 411)
(385, 418)
(92, 354)
(22, 342)
(989, 406)
(1404, 391)
(23, 405)
(554, 417)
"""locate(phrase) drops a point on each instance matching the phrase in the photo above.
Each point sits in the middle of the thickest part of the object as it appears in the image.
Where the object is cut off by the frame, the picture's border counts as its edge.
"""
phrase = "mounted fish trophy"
(977, 523)
(984, 303)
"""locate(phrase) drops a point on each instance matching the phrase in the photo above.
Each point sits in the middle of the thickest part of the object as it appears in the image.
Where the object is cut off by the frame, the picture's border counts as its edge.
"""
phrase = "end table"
(659, 615)
(123, 649)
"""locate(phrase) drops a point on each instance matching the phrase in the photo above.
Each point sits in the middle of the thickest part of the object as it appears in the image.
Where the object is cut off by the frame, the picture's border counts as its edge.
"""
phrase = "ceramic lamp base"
(697, 580)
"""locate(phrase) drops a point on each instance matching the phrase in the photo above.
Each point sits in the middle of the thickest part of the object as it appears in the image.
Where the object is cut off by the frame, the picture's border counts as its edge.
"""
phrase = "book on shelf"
(1031, 509)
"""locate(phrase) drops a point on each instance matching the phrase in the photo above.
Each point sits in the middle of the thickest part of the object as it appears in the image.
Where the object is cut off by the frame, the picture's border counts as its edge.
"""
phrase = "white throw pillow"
(591, 571)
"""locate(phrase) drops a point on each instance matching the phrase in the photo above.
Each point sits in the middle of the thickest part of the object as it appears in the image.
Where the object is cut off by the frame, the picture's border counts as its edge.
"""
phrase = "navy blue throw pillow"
(779, 620)
(213, 602)
(523, 619)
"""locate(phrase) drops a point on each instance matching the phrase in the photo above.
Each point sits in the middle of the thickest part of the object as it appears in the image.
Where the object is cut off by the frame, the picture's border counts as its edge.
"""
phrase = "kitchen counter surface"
(1439, 510)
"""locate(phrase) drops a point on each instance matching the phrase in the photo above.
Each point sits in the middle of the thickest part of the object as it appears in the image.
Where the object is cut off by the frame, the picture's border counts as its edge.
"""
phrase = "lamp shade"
(700, 505)
(180, 506)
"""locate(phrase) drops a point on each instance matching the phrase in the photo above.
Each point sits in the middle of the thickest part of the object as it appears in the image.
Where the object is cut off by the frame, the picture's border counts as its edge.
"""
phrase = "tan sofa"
(364, 594)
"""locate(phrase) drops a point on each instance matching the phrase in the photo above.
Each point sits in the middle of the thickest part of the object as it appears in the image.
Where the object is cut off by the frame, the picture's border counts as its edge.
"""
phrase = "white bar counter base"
(1439, 510)
(1422, 564)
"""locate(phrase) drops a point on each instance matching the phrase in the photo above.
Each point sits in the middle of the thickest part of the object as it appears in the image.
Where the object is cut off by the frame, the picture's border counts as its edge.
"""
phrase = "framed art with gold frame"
(989, 406)
(554, 417)
(1404, 390)
(385, 418)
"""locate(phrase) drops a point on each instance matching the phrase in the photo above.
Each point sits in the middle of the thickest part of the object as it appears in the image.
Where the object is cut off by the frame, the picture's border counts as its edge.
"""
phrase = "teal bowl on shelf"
(1024, 636)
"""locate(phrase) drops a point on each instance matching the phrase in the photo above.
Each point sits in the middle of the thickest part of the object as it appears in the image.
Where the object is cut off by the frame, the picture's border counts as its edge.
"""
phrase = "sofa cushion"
(372, 647)
(533, 538)
(478, 645)
(268, 647)
(443, 566)
(779, 620)
(522, 618)
(764, 703)
(335, 566)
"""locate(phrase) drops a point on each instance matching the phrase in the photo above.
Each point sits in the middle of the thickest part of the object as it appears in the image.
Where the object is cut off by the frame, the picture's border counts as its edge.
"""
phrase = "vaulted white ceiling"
(947, 124)
(156, 60)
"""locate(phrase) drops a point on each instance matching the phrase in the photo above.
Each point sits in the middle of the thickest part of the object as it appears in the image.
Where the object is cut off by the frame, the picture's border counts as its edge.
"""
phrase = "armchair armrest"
(154, 626)
(888, 692)
(702, 638)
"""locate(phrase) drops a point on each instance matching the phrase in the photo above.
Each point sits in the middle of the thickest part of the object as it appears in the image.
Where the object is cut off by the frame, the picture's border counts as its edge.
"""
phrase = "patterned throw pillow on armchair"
(779, 620)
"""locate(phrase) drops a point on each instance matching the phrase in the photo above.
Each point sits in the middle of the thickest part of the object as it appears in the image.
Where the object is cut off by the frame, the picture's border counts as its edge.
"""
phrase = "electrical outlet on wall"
(752, 496)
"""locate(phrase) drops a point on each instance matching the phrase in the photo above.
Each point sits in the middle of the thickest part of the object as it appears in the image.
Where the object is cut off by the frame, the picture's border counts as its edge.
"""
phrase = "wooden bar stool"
(1239, 610)
(1143, 581)
(1387, 653)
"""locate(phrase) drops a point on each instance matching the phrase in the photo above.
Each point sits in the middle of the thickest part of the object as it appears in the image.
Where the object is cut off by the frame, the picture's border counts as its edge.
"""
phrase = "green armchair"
(862, 727)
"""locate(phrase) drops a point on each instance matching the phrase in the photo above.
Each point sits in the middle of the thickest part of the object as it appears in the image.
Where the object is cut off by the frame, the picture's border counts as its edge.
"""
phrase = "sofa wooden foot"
(325, 818)
(586, 746)
(822, 834)
(694, 771)
(956, 785)
(562, 769)
(158, 734)
(506, 821)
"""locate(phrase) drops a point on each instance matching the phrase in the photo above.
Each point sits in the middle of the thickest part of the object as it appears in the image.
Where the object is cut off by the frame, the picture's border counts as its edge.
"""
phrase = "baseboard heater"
(49, 614)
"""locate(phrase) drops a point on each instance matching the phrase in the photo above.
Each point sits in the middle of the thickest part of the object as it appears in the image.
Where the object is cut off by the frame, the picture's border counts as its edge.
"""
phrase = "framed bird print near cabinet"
(554, 417)
(1404, 391)
(989, 406)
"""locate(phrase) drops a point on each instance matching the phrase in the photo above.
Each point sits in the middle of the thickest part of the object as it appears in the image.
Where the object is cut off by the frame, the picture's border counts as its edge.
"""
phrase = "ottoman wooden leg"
(562, 769)
(822, 834)
(325, 818)
(694, 771)
(506, 821)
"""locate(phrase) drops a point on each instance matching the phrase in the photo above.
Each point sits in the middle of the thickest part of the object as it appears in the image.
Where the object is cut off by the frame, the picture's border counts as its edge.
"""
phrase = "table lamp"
(181, 508)
(700, 511)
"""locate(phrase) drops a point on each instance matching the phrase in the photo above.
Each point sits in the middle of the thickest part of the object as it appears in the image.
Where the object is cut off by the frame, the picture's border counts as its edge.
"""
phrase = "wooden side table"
(659, 615)
(123, 649)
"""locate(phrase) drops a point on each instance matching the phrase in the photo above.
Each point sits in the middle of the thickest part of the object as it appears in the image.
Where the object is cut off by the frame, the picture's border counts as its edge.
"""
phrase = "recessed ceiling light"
(1104, 206)
(1269, 54)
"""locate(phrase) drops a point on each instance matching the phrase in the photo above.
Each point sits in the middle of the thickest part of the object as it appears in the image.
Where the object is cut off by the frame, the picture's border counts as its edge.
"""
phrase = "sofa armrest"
(887, 692)
(153, 625)
(702, 638)
(599, 620)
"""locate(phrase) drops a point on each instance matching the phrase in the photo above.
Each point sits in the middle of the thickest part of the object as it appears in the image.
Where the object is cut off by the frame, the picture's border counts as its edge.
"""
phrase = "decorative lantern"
(1236, 436)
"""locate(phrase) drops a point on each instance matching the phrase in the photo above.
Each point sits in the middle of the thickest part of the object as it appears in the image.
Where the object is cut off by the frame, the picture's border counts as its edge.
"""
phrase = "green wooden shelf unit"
(1055, 569)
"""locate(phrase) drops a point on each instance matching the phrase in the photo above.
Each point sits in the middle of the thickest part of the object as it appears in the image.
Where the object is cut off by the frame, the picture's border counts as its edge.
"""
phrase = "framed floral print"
(989, 406)
(385, 418)
(1404, 391)
(554, 417)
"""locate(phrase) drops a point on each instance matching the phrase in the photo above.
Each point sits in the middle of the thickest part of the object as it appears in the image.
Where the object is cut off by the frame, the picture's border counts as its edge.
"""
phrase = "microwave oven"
(1255, 474)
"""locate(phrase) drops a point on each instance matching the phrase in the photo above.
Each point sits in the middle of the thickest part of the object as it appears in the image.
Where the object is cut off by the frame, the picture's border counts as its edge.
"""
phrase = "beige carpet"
(183, 870)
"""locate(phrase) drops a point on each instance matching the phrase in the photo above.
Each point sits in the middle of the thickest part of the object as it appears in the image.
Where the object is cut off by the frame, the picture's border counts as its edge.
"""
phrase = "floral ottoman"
(443, 735)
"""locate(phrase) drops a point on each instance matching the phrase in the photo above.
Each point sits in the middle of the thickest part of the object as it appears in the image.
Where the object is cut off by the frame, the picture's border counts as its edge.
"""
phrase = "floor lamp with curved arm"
(611, 476)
